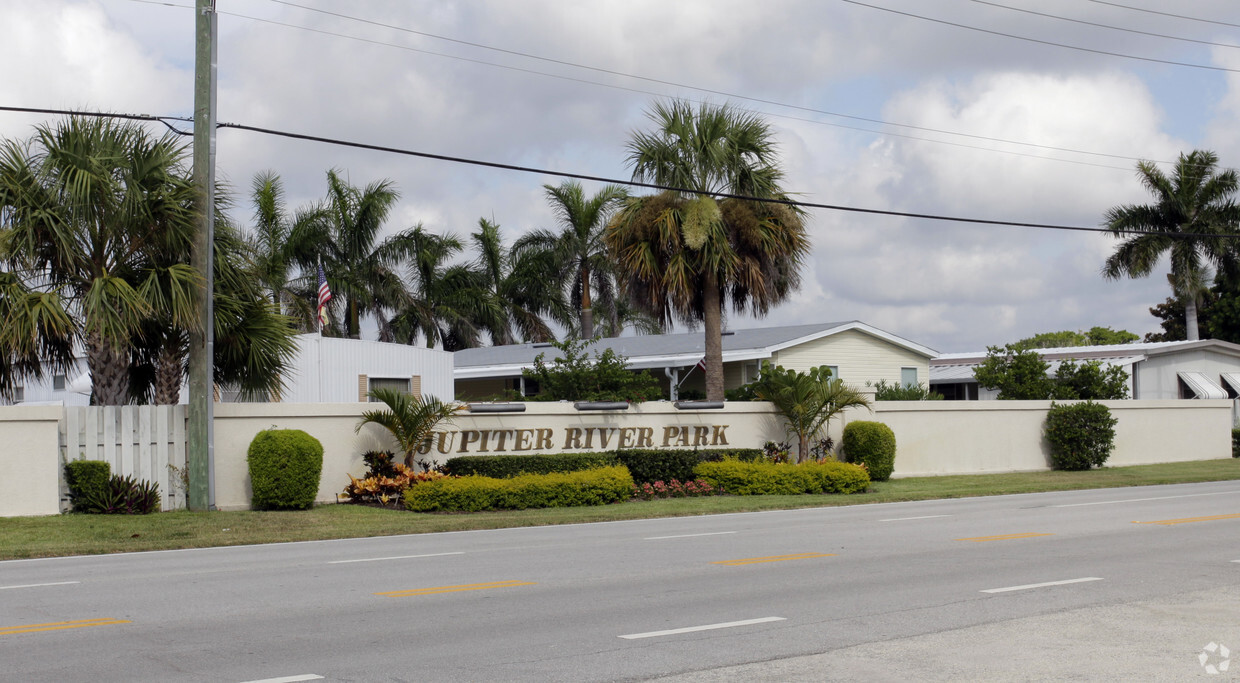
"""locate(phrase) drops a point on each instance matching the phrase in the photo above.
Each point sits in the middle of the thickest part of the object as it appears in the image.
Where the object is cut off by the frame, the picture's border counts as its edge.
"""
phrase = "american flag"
(702, 364)
(325, 295)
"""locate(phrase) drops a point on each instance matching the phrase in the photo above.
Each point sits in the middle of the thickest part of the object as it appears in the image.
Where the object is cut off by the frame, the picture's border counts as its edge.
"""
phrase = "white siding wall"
(1157, 376)
(860, 357)
(326, 369)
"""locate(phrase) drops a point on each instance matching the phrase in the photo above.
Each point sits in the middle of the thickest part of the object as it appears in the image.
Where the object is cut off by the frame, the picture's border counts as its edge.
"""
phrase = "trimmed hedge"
(768, 478)
(505, 466)
(1081, 435)
(646, 465)
(86, 479)
(285, 468)
(872, 444)
(597, 486)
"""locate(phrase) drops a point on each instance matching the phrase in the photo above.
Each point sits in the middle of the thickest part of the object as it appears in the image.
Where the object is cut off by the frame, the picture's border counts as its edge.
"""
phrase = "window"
(58, 382)
(908, 377)
(835, 371)
(400, 384)
(19, 394)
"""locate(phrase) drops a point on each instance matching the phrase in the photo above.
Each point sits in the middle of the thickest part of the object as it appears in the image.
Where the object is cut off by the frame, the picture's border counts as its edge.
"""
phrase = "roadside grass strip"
(59, 626)
(454, 589)
(707, 627)
(1004, 537)
(1186, 520)
(772, 558)
(1045, 584)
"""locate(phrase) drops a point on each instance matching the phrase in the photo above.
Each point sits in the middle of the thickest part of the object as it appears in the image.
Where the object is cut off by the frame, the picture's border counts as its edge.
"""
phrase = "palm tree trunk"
(168, 378)
(108, 372)
(802, 447)
(1190, 318)
(712, 319)
(587, 315)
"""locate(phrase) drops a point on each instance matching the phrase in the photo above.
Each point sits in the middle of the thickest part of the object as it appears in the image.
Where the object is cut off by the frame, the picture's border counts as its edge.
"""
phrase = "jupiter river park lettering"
(573, 439)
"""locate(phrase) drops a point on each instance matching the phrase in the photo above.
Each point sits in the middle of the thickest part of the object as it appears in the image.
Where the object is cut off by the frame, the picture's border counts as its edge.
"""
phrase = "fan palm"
(1193, 210)
(409, 419)
(685, 254)
(579, 247)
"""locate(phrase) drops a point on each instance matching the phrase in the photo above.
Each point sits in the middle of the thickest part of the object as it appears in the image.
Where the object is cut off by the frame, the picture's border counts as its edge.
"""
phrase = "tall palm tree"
(360, 268)
(1193, 209)
(579, 247)
(523, 286)
(686, 254)
(270, 246)
(445, 303)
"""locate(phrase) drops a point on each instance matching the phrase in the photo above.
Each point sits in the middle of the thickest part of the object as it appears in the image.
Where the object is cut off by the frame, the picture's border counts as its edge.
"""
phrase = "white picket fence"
(145, 442)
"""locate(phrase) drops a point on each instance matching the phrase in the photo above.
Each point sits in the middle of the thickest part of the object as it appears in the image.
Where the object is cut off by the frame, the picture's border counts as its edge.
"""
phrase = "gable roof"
(670, 350)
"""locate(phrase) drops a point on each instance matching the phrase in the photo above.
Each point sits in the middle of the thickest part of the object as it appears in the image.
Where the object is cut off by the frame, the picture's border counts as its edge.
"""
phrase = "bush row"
(646, 466)
(741, 478)
(597, 486)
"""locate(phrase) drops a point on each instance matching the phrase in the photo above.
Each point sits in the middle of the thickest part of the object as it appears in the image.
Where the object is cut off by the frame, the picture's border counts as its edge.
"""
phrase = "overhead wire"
(1165, 14)
(1039, 40)
(602, 179)
(1098, 25)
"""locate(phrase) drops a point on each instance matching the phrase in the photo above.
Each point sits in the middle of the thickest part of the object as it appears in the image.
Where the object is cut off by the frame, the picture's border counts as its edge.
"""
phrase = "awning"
(1232, 379)
(1201, 385)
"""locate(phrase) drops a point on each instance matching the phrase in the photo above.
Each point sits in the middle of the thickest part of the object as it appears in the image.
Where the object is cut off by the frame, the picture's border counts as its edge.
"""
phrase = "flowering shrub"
(776, 452)
(385, 490)
(674, 489)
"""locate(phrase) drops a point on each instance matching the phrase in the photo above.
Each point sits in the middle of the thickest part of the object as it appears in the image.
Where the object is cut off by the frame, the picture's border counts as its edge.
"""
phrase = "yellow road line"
(1005, 537)
(59, 626)
(1186, 520)
(772, 558)
(455, 589)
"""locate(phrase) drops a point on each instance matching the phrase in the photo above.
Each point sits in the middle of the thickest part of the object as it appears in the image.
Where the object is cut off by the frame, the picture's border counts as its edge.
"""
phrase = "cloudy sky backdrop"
(873, 107)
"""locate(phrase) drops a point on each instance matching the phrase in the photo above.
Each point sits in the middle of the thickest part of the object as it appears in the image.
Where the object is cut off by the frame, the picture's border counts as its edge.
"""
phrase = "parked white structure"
(1207, 368)
(324, 370)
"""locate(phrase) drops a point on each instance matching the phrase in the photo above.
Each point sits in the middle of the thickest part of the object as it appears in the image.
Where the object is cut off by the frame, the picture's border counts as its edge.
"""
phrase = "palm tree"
(687, 254)
(523, 287)
(1193, 210)
(446, 304)
(360, 269)
(271, 249)
(808, 401)
(99, 211)
(579, 246)
(410, 419)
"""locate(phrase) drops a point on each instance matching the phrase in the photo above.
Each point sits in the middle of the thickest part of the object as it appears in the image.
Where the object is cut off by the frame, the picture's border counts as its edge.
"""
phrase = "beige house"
(857, 352)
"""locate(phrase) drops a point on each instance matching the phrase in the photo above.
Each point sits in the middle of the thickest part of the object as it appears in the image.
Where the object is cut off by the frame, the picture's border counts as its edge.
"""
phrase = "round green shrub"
(285, 468)
(872, 444)
(86, 479)
(1081, 435)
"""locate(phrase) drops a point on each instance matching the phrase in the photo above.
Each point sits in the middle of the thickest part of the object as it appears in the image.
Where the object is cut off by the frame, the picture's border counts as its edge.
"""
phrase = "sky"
(945, 107)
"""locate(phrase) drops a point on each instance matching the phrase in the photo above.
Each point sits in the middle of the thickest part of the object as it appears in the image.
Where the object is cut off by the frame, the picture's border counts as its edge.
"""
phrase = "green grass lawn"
(24, 537)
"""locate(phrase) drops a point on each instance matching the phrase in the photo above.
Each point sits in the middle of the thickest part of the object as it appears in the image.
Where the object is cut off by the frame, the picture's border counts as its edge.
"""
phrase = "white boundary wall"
(932, 438)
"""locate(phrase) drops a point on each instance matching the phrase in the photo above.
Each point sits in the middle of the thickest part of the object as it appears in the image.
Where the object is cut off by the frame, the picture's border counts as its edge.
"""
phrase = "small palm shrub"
(1081, 435)
(124, 496)
(872, 444)
(285, 468)
(86, 479)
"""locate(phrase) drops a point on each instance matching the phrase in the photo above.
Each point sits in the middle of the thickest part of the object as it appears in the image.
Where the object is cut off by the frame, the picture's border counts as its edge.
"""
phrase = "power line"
(1165, 14)
(1106, 26)
(601, 179)
(664, 82)
(1039, 41)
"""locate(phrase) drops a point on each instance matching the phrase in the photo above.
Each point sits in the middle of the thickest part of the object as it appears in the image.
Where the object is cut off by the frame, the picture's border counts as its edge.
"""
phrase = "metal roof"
(963, 372)
(668, 350)
(1091, 352)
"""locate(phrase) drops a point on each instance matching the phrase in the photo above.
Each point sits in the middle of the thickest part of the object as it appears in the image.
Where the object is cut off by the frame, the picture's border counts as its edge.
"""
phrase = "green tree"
(806, 400)
(358, 266)
(684, 253)
(409, 419)
(1193, 209)
(1018, 374)
(93, 209)
(523, 287)
(575, 376)
(1095, 336)
(447, 304)
(271, 248)
(578, 248)
(1090, 380)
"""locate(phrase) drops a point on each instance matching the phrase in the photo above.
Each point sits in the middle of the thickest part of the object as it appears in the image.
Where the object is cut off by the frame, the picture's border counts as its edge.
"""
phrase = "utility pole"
(200, 458)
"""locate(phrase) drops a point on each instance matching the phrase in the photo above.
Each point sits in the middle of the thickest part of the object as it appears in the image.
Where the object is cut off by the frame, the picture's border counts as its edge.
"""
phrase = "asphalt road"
(1130, 584)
